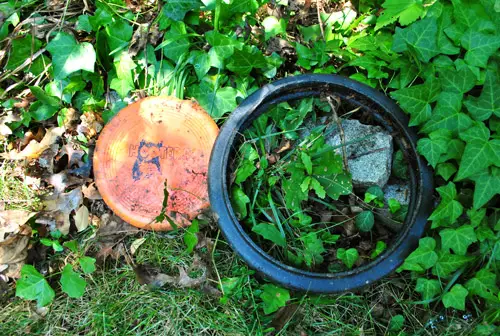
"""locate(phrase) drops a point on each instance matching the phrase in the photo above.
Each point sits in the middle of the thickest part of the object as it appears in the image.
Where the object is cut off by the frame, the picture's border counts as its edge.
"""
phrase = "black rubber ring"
(388, 114)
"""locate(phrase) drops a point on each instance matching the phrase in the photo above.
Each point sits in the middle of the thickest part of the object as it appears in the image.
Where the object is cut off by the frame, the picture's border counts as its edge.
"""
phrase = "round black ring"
(388, 114)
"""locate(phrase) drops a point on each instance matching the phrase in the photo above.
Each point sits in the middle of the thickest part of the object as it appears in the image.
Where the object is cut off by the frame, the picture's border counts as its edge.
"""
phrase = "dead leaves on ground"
(14, 240)
(34, 148)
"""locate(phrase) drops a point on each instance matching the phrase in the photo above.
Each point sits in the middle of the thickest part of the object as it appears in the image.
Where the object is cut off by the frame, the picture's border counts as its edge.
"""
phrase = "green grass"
(15, 194)
(116, 304)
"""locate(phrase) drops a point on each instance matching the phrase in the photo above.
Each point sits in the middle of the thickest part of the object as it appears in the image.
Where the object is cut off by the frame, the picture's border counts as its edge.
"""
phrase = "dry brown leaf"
(90, 124)
(136, 244)
(151, 276)
(46, 159)
(14, 255)
(91, 192)
(62, 205)
(285, 145)
(81, 218)
(34, 149)
(75, 155)
(112, 230)
(63, 180)
(11, 222)
(283, 315)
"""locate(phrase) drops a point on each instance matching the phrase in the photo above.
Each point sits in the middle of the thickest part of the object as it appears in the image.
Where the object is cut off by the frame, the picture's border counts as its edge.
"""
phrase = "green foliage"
(455, 298)
(190, 236)
(364, 221)
(273, 298)
(437, 59)
(396, 323)
(69, 56)
(72, 283)
(33, 286)
(348, 256)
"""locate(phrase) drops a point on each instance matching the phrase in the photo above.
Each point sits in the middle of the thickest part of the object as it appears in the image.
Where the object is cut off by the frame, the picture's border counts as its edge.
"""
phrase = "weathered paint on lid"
(151, 141)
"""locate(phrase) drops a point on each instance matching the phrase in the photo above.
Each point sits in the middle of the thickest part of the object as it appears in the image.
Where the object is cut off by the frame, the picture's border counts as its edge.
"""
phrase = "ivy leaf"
(273, 297)
(365, 221)
(273, 26)
(177, 9)
(83, 24)
(223, 45)
(372, 65)
(458, 239)
(407, 11)
(87, 264)
(175, 41)
(190, 236)
(479, 47)
(397, 322)
(447, 114)
(483, 284)
(455, 150)
(429, 288)
(420, 38)
(239, 201)
(21, 49)
(449, 209)
(216, 101)
(444, 44)
(446, 170)
(487, 186)
(69, 56)
(244, 171)
(457, 81)
(123, 83)
(71, 282)
(434, 146)
(270, 232)
(488, 102)
(243, 61)
(448, 263)
(33, 286)
(394, 205)
(379, 248)
(416, 100)
(422, 258)
(118, 35)
(455, 298)
(348, 256)
(294, 194)
(479, 153)
(201, 63)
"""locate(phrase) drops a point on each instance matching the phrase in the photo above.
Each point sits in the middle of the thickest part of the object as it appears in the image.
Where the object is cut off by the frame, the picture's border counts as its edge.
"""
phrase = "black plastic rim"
(388, 114)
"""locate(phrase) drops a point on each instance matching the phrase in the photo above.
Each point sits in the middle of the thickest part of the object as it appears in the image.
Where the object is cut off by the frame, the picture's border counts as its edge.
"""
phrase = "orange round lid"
(150, 142)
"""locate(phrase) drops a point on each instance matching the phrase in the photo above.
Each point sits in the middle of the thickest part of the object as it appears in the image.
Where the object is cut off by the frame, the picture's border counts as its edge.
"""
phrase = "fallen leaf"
(112, 230)
(91, 192)
(90, 124)
(61, 206)
(34, 149)
(46, 159)
(283, 315)
(63, 180)
(81, 218)
(136, 244)
(285, 145)
(75, 155)
(11, 222)
(13, 253)
(150, 276)
(5, 130)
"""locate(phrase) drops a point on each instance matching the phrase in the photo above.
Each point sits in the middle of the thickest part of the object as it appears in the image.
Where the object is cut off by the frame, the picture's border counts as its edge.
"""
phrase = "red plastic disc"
(150, 142)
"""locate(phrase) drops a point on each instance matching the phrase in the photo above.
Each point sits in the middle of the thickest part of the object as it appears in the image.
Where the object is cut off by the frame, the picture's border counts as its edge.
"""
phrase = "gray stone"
(369, 152)
(400, 192)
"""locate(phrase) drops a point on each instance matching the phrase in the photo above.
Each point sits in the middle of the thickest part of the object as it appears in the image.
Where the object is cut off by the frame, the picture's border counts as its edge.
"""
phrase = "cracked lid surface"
(150, 142)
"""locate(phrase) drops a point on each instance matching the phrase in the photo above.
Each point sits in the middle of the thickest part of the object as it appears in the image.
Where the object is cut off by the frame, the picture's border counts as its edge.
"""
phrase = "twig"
(336, 119)
(319, 19)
